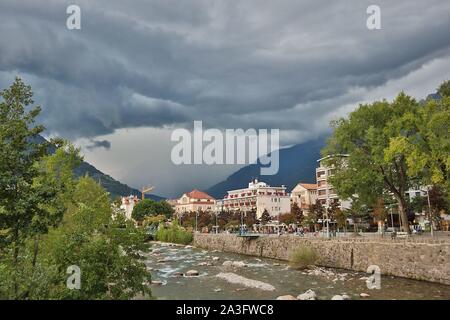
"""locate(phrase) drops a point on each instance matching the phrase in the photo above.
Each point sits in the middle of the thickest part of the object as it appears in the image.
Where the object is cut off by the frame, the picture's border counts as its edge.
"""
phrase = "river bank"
(423, 259)
(222, 275)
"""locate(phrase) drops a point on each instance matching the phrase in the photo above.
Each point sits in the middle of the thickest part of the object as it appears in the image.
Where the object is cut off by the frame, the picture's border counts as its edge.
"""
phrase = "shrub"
(303, 257)
(174, 234)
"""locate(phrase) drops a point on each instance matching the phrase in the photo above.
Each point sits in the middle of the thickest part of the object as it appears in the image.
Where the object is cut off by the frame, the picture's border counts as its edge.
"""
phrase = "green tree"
(105, 249)
(28, 190)
(316, 212)
(250, 218)
(164, 208)
(144, 208)
(368, 136)
(148, 207)
(287, 218)
(297, 212)
(265, 217)
(444, 89)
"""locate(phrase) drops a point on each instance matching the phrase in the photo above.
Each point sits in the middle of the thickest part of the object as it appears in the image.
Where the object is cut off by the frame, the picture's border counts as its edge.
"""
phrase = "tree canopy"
(388, 147)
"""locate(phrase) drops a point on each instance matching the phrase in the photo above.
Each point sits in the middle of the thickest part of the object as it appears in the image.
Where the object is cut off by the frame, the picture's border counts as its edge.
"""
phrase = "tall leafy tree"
(23, 203)
(265, 217)
(373, 164)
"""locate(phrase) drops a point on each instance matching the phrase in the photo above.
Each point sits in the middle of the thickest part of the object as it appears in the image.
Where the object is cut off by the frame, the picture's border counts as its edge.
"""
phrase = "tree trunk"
(402, 211)
(35, 251)
(15, 261)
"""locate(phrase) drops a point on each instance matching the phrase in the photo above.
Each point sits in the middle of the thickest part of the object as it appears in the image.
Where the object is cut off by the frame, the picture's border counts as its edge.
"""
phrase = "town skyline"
(247, 65)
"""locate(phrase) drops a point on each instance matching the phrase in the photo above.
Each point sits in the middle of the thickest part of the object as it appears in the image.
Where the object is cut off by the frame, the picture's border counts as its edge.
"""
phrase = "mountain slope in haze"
(114, 187)
(297, 164)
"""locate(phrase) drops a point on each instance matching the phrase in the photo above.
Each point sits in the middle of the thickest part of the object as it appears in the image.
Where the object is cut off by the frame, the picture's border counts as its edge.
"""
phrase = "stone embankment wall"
(421, 259)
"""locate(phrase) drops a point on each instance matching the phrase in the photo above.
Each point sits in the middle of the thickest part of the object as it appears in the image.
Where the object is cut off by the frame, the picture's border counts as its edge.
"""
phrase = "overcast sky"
(138, 69)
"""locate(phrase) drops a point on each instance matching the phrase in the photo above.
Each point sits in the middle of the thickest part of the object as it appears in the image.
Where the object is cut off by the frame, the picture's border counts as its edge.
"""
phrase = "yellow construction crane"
(146, 189)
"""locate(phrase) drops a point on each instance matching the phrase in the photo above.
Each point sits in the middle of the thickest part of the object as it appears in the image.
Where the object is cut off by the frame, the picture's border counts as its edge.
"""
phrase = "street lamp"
(241, 229)
(196, 221)
(429, 210)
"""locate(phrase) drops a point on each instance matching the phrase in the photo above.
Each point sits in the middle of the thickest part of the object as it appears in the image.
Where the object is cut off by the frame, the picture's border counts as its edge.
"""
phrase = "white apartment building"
(195, 200)
(258, 196)
(128, 204)
(304, 195)
(326, 194)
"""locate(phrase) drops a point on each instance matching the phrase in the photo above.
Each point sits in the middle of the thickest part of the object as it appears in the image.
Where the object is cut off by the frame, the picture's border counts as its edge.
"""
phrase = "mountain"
(114, 187)
(297, 163)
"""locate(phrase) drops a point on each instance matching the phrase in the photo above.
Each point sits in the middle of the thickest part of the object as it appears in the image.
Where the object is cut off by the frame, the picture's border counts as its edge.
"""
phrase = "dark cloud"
(279, 64)
(94, 144)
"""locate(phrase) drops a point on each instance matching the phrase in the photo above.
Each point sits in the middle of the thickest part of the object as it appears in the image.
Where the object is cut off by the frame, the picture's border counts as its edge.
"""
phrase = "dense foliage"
(391, 146)
(50, 221)
(174, 234)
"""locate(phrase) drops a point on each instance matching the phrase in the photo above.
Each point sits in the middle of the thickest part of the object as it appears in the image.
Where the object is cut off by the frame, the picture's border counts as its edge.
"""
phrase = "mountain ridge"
(113, 186)
(297, 164)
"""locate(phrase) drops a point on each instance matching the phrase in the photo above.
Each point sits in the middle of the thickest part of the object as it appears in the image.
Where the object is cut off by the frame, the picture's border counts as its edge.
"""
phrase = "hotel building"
(259, 197)
(304, 195)
(326, 194)
(195, 200)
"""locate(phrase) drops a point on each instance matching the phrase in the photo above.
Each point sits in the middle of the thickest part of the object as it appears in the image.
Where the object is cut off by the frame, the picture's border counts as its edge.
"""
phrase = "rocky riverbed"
(185, 272)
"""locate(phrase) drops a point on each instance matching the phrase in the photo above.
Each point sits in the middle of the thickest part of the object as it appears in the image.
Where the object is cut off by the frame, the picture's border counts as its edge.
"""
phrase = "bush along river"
(185, 272)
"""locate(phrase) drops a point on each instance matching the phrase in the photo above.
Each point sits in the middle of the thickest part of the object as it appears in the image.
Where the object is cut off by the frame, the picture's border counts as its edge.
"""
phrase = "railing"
(439, 238)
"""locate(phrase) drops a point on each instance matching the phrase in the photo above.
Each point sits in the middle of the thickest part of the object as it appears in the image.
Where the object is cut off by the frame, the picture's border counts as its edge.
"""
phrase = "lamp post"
(196, 221)
(392, 219)
(241, 230)
(429, 210)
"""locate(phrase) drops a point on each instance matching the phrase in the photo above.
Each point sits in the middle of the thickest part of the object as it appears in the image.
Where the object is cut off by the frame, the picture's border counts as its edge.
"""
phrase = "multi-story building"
(304, 195)
(128, 204)
(326, 194)
(195, 200)
(259, 197)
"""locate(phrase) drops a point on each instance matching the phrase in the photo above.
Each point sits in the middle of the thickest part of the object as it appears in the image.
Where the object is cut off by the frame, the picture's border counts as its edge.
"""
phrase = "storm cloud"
(286, 64)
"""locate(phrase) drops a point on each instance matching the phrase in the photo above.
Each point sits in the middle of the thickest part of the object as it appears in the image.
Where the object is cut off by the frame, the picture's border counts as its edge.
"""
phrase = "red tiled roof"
(309, 186)
(197, 194)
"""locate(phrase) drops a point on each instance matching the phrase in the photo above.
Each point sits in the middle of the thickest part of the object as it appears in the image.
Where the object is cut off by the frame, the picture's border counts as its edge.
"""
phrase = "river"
(273, 278)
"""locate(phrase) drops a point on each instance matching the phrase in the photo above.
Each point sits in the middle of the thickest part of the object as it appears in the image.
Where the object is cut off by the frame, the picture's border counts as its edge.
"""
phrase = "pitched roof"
(197, 194)
(309, 186)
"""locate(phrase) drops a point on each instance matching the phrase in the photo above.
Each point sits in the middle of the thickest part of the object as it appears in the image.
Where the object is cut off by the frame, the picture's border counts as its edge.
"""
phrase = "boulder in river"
(157, 282)
(364, 295)
(308, 295)
(192, 273)
(287, 297)
(249, 283)
(216, 258)
(238, 264)
(337, 297)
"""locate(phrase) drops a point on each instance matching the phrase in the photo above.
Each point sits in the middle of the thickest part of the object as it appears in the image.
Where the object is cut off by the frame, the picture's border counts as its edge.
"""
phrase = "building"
(259, 197)
(128, 204)
(326, 194)
(304, 195)
(195, 200)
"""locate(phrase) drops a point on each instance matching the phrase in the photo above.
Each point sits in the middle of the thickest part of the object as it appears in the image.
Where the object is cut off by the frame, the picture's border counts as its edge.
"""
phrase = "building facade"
(195, 200)
(304, 195)
(326, 194)
(128, 204)
(258, 197)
